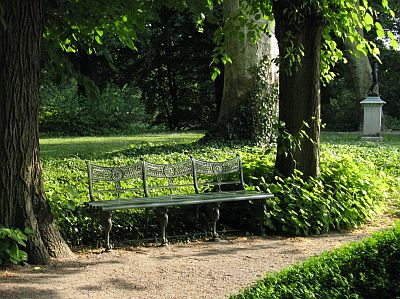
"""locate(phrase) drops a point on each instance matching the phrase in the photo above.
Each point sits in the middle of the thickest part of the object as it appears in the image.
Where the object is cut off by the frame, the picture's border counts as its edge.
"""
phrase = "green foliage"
(291, 143)
(171, 69)
(389, 73)
(69, 26)
(340, 110)
(115, 111)
(392, 123)
(369, 269)
(356, 178)
(11, 241)
(349, 191)
(264, 104)
(342, 19)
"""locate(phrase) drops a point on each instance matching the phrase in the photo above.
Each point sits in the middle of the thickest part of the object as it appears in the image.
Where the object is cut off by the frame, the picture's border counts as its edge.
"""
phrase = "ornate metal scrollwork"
(217, 168)
(169, 170)
(117, 174)
(104, 173)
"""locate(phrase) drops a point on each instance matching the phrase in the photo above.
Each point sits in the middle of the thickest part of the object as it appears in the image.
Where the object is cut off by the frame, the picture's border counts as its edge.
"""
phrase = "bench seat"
(177, 200)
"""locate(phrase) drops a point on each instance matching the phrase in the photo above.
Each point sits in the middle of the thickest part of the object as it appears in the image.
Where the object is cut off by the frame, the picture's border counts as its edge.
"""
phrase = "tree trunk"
(299, 90)
(219, 89)
(22, 199)
(360, 73)
(239, 77)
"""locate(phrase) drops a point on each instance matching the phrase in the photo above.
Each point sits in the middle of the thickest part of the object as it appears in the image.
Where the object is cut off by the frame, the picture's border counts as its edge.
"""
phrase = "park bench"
(140, 185)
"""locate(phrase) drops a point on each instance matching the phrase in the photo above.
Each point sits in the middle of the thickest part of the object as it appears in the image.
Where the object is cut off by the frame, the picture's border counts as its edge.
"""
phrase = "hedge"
(368, 269)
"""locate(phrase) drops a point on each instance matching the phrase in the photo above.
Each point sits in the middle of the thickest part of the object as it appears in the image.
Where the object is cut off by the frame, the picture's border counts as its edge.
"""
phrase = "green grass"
(95, 147)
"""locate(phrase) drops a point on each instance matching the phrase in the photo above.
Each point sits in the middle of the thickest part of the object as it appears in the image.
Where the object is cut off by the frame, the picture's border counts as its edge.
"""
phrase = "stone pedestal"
(372, 117)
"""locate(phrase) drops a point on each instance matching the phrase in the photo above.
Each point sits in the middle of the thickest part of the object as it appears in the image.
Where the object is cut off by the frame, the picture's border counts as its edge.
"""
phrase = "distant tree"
(360, 71)
(242, 60)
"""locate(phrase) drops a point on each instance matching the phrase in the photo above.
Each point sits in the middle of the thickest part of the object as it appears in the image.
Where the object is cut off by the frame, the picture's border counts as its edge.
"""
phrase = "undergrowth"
(357, 181)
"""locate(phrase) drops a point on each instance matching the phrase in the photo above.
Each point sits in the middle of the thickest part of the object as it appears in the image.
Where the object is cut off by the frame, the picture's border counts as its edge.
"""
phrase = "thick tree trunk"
(299, 91)
(21, 192)
(239, 77)
(219, 89)
(360, 72)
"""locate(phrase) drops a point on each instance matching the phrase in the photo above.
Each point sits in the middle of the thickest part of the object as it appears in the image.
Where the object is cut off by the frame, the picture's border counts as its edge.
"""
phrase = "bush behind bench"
(369, 269)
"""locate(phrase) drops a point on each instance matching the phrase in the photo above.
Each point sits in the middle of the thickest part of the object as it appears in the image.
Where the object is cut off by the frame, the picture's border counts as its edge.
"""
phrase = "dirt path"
(194, 270)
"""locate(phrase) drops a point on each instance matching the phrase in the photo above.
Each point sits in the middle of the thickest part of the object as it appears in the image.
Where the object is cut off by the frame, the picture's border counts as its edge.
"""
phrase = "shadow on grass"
(96, 147)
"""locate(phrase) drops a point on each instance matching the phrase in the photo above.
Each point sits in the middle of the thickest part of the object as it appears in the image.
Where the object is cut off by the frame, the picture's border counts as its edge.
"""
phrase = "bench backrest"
(167, 176)
(141, 178)
(218, 174)
(106, 179)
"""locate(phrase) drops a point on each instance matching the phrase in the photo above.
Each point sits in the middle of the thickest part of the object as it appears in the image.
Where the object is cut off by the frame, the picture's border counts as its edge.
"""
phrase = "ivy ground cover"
(358, 180)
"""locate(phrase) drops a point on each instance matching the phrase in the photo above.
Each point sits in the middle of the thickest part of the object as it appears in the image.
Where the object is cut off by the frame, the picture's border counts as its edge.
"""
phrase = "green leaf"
(216, 72)
(379, 30)
(99, 32)
(368, 19)
(362, 49)
(393, 41)
(98, 39)
(71, 205)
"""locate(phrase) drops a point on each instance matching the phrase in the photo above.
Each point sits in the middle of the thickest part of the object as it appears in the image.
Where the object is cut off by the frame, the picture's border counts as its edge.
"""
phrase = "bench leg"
(146, 226)
(107, 225)
(214, 214)
(260, 208)
(162, 215)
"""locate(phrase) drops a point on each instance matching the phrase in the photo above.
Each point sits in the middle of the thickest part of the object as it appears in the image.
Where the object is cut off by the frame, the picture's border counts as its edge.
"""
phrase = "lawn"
(95, 147)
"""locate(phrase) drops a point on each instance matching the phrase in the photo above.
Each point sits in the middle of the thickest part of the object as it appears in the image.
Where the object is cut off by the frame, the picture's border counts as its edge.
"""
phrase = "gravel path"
(193, 270)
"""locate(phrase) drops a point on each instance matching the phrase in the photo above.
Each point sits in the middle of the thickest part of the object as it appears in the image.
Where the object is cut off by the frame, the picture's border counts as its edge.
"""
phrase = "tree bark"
(299, 90)
(239, 78)
(22, 199)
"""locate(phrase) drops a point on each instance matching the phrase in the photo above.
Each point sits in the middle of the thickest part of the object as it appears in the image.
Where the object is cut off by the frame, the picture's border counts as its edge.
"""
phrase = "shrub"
(115, 111)
(348, 193)
(369, 269)
(11, 241)
(392, 123)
